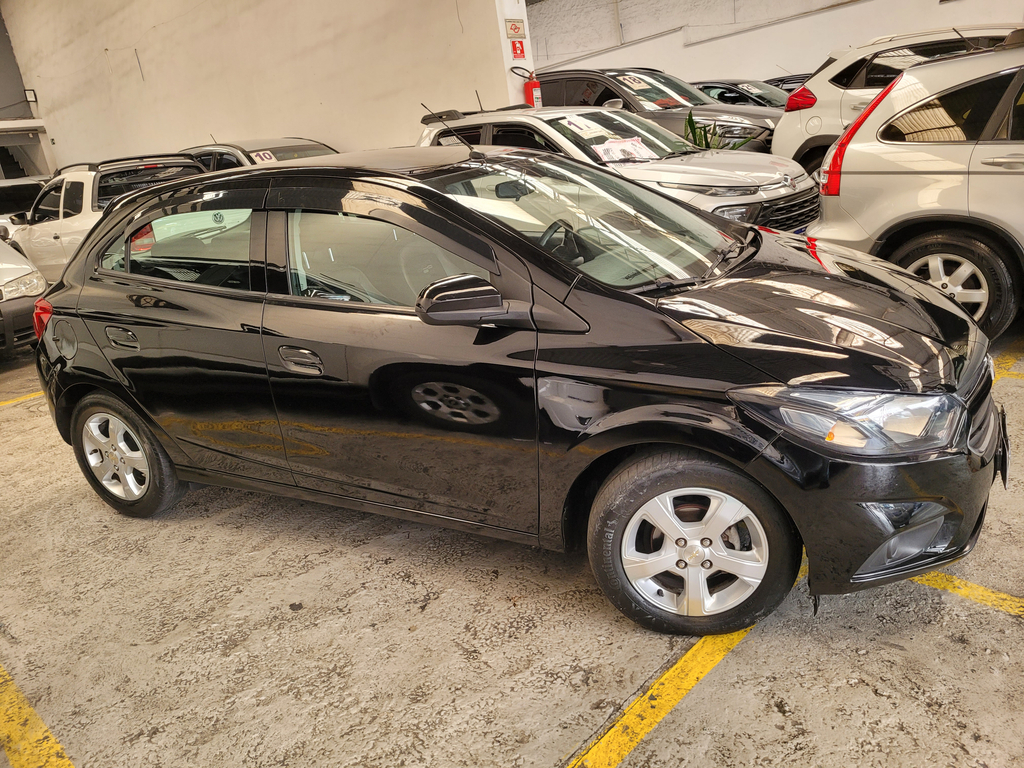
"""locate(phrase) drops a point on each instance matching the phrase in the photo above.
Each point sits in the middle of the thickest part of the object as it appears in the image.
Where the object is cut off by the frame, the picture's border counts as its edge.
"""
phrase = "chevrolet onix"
(520, 345)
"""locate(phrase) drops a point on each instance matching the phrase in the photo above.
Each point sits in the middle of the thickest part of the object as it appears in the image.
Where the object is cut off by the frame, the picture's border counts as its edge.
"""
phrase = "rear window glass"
(958, 115)
(451, 138)
(551, 93)
(74, 192)
(116, 183)
(296, 152)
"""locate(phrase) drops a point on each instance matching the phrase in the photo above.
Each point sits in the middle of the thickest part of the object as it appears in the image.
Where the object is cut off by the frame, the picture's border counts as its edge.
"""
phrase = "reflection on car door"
(175, 306)
(44, 248)
(375, 404)
(72, 232)
(997, 165)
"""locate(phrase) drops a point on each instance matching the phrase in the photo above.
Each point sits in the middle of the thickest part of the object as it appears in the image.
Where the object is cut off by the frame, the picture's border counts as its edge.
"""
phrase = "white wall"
(351, 73)
(699, 39)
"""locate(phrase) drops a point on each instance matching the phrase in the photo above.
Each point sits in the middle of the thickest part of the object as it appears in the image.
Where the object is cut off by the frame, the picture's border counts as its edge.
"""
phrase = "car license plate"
(800, 231)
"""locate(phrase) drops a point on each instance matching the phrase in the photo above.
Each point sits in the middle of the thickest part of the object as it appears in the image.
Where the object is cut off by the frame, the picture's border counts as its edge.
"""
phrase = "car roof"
(255, 145)
(728, 81)
(537, 113)
(601, 71)
(400, 161)
(977, 28)
(999, 58)
(120, 163)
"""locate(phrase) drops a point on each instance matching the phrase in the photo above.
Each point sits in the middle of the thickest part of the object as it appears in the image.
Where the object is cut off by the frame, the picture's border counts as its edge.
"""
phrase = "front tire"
(969, 269)
(121, 458)
(683, 544)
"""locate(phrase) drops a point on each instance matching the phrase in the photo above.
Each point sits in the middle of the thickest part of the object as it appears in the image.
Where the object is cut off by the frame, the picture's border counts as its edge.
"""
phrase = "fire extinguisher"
(531, 89)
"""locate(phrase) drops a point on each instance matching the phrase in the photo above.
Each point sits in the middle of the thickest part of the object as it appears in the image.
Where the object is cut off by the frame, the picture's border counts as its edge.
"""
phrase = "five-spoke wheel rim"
(694, 551)
(455, 402)
(956, 277)
(115, 456)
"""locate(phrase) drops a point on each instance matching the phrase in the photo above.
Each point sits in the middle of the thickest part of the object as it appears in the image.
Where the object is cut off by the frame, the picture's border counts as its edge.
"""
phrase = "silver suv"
(838, 92)
(931, 176)
(742, 186)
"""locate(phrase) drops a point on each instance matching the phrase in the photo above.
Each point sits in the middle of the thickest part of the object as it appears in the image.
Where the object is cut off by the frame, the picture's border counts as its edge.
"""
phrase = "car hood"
(809, 314)
(12, 264)
(766, 117)
(716, 168)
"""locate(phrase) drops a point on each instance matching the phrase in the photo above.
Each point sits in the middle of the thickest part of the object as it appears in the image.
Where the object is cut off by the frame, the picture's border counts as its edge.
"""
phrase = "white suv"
(743, 186)
(931, 176)
(73, 201)
(834, 96)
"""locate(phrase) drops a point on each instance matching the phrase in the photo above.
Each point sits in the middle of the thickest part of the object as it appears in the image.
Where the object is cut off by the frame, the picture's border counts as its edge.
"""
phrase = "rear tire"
(681, 543)
(121, 458)
(812, 159)
(971, 270)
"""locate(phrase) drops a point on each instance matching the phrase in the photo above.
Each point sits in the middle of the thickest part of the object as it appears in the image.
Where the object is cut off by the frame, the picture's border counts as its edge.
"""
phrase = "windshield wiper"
(663, 284)
(736, 248)
(679, 153)
(629, 160)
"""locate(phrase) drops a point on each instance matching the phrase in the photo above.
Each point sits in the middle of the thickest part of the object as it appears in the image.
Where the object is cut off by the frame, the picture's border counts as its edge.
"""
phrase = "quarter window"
(472, 134)
(521, 136)
(200, 247)
(957, 115)
(361, 260)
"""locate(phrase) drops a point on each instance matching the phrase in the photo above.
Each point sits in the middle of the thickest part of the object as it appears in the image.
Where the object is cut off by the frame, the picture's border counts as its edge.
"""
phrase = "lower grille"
(789, 213)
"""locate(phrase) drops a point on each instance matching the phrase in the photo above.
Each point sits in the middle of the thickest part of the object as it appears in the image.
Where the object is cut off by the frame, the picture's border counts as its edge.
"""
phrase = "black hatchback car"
(518, 345)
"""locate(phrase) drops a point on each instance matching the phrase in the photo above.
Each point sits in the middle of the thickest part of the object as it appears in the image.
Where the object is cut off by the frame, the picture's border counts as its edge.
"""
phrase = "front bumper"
(16, 323)
(854, 518)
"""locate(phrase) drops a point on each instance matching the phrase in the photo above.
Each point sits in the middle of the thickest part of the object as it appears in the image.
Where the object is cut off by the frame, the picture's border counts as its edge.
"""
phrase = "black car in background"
(660, 97)
(788, 83)
(515, 344)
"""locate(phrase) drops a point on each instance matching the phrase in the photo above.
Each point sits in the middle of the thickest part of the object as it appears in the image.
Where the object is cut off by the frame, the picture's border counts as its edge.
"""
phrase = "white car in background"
(20, 284)
(743, 186)
(842, 87)
(931, 176)
(221, 156)
(73, 201)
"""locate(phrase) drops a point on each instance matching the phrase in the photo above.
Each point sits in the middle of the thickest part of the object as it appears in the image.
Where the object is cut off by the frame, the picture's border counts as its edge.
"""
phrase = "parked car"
(929, 176)
(568, 358)
(73, 201)
(17, 196)
(835, 95)
(20, 284)
(788, 83)
(741, 186)
(237, 154)
(751, 92)
(665, 99)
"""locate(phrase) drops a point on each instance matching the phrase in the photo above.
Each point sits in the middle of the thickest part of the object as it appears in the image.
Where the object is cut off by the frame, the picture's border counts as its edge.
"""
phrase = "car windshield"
(776, 97)
(656, 90)
(610, 229)
(618, 137)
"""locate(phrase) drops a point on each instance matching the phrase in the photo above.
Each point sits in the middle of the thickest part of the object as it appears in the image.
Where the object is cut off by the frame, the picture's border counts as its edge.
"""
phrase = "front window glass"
(202, 247)
(74, 191)
(958, 115)
(616, 232)
(774, 97)
(616, 137)
(362, 260)
(656, 90)
(48, 206)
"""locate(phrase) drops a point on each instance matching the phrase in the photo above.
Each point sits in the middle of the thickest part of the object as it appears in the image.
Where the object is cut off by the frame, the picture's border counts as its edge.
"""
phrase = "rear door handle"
(122, 337)
(301, 361)
(1004, 161)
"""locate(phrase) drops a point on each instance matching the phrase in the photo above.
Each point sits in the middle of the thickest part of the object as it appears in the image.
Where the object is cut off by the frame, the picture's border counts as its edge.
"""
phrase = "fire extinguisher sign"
(518, 50)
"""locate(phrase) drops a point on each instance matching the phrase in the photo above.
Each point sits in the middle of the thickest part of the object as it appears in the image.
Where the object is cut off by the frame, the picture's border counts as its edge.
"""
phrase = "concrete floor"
(242, 629)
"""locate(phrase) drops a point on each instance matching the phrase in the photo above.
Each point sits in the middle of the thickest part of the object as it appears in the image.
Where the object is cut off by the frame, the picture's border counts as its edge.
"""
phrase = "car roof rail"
(442, 117)
(145, 158)
(1013, 40)
(65, 168)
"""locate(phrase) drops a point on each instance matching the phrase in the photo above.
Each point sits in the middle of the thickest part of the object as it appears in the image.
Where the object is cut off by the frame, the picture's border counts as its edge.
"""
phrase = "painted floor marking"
(23, 735)
(1006, 360)
(649, 709)
(40, 394)
(977, 593)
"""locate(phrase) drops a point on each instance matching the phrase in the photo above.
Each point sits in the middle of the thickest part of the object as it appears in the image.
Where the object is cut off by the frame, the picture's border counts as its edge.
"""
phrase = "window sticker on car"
(263, 156)
(584, 128)
(622, 149)
(633, 81)
(449, 141)
(750, 88)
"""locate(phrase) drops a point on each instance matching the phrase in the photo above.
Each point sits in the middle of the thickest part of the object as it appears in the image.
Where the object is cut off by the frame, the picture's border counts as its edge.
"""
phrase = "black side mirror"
(459, 300)
(508, 190)
(18, 219)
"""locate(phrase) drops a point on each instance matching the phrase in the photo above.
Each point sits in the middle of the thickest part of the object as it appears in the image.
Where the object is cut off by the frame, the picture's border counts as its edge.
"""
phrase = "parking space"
(242, 629)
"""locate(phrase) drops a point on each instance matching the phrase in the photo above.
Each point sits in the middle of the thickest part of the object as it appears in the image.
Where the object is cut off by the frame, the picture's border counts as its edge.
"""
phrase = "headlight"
(734, 131)
(745, 213)
(31, 284)
(858, 423)
(711, 191)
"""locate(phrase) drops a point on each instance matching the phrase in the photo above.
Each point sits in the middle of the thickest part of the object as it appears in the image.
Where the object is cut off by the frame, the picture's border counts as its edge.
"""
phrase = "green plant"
(706, 135)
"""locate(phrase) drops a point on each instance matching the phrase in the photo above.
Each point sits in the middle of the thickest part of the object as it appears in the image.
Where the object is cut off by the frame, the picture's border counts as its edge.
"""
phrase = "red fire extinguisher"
(531, 89)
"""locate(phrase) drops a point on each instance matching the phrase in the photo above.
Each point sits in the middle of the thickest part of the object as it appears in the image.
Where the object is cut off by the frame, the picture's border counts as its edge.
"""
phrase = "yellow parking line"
(23, 735)
(1005, 361)
(19, 399)
(647, 711)
(984, 595)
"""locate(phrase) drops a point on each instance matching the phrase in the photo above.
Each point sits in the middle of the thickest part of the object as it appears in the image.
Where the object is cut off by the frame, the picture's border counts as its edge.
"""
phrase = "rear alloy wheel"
(121, 458)
(680, 543)
(968, 269)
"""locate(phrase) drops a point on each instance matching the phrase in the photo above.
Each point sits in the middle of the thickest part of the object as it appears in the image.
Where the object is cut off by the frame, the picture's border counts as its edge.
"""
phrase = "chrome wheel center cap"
(693, 554)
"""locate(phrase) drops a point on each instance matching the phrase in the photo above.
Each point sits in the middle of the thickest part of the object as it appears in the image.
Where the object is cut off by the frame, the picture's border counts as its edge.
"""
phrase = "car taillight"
(41, 316)
(799, 99)
(832, 166)
(142, 241)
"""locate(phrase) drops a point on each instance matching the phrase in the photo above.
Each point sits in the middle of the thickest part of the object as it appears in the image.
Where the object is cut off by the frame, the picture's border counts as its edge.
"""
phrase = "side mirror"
(459, 300)
(508, 190)
(5, 234)
(614, 104)
(18, 219)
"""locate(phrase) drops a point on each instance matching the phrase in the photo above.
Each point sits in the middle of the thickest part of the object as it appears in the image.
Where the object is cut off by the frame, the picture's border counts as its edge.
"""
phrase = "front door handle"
(1009, 160)
(56, 236)
(121, 337)
(301, 361)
